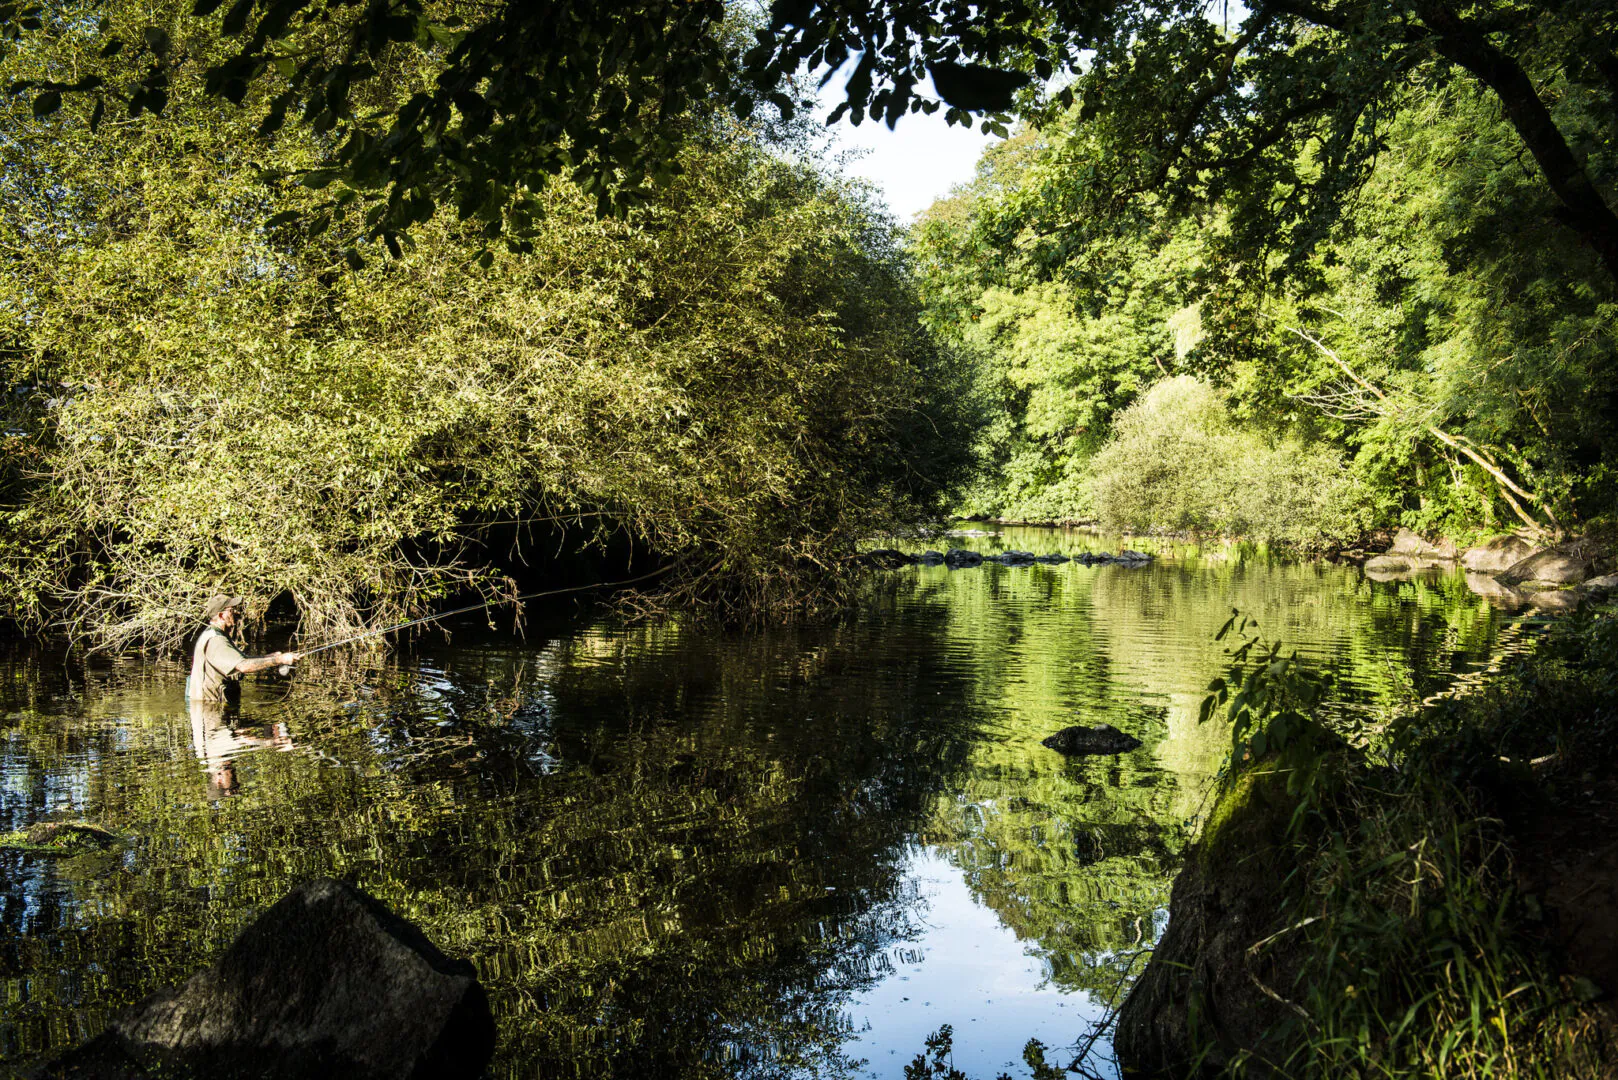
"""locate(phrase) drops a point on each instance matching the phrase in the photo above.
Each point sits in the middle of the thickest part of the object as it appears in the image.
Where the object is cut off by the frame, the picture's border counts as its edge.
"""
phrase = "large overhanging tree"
(1190, 98)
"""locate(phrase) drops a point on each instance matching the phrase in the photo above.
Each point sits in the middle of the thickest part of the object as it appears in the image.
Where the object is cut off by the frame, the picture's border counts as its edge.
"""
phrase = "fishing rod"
(479, 607)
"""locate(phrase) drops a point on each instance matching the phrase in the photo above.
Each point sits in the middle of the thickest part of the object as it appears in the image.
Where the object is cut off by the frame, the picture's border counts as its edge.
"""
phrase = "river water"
(677, 851)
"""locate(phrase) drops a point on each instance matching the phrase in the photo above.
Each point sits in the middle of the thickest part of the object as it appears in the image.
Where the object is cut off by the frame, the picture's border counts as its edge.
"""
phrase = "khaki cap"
(220, 603)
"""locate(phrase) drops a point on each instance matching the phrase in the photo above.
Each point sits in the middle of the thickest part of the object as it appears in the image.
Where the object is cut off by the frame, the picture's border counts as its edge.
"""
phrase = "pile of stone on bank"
(1508, 570)
(327, 983)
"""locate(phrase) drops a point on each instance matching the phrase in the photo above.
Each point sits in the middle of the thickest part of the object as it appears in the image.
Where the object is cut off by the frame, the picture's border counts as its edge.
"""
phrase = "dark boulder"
(1014, 558)
(1101, 739)
(956, 558)
(327, 983)
(1136, 557)
(1052, 560)
(930, 558)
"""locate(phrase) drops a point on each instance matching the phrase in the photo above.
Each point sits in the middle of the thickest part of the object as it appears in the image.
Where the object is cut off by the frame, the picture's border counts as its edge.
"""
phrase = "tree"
(526, 92)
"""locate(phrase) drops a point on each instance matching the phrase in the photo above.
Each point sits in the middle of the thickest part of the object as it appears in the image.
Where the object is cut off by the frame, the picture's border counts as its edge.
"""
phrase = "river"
(677, 851)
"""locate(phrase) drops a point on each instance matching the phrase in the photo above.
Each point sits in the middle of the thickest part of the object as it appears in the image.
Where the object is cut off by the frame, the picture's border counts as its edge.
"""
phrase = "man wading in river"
(216, 663)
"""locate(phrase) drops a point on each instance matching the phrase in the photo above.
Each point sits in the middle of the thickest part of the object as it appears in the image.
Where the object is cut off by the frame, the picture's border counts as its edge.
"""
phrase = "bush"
(1178, 464)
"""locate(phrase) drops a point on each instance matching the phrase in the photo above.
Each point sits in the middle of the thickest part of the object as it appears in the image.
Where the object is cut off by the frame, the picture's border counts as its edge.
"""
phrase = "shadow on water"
(672, 851)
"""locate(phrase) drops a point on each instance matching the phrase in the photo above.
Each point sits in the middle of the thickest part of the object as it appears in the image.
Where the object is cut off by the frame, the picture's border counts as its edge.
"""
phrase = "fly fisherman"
(216, 663)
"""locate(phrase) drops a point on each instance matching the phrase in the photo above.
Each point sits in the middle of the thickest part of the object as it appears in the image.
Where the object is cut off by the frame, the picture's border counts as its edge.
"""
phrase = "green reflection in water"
(671, 850)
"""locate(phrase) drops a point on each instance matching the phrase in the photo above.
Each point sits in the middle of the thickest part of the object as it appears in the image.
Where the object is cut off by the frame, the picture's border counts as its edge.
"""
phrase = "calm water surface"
(680, 852)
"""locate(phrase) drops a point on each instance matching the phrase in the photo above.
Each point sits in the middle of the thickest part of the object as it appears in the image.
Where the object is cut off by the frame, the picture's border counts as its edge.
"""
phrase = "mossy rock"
(60, 838)
(1206, 994)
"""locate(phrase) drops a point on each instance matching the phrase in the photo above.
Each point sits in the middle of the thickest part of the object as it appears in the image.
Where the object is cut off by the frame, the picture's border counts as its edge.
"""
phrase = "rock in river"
(1101, 739)
(327, 983)
(1565, 564)
(1497, 554)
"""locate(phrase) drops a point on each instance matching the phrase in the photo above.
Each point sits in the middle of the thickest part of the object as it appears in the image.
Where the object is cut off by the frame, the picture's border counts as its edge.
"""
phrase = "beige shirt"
(212, 663)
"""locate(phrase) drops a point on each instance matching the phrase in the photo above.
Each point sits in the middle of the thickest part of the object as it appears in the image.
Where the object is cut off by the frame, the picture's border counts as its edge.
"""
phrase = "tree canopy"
(1181, 101)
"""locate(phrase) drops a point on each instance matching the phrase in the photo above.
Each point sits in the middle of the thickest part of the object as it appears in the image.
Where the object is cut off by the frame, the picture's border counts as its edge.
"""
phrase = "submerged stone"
(1101, 739)
(327, 983)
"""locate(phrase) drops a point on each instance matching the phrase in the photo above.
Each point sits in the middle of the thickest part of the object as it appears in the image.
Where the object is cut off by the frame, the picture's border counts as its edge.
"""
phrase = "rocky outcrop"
(1101, 739)
(1497, 554)
(1564, 564)
(327, 983)
(1411, 545)
(955, 558)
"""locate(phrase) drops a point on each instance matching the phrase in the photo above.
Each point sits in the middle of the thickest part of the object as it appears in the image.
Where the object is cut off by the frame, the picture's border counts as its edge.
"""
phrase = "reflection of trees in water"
(667, 852)
(1076, 856)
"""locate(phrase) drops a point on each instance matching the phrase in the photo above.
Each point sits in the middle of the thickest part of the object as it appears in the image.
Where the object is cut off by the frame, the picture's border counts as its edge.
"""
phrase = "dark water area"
(676, 851)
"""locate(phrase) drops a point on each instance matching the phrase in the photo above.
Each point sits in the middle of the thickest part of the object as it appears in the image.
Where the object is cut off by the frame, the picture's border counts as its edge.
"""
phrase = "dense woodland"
(1440, 355)
(361, 307)
(308, 299)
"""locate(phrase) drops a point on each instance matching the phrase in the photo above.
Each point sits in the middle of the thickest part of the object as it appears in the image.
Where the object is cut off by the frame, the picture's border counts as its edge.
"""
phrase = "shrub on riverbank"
(733, 375)
(1177, 463)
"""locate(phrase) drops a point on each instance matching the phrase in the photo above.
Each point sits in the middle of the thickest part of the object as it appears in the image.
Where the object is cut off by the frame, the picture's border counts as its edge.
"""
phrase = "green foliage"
(733, 376)
(1267, 697)
(1178, 464)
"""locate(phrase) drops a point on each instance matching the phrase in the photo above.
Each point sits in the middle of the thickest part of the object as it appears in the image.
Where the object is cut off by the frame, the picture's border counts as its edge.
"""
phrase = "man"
(216, 662)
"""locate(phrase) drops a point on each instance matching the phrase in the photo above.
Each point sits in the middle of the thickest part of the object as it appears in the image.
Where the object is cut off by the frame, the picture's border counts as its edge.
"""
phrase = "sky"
(917, 162)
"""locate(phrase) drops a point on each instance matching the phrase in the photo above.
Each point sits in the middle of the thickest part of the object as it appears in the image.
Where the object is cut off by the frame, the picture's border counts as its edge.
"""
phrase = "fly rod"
(479, 607)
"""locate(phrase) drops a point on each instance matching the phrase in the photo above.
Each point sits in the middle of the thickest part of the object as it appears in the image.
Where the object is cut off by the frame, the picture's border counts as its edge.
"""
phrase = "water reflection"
(220, 734)
(672, 851)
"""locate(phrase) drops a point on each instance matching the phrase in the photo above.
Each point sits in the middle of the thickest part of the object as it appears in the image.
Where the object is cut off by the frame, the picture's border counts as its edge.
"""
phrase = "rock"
(955, 558)
(1406, 542)
(1400, 567)
(1225, 945)
(1052, 560)
(1497, 554)
(1014, 558)
(1101, 739)
(1127, 556)
(327, 983)
(67, 837)
(1601, 586)
(930, 558)
(1564, 564)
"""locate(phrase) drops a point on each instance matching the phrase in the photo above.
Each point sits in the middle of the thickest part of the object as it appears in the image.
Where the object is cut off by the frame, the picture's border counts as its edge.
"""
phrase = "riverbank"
(1432, 899)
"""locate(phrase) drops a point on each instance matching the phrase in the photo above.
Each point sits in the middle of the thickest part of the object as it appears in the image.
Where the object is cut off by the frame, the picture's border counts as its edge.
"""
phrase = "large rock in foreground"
(327, 983)
(1215, 984)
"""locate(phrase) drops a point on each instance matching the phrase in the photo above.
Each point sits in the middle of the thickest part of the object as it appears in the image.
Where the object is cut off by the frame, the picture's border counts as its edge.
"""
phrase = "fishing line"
(479, 607)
